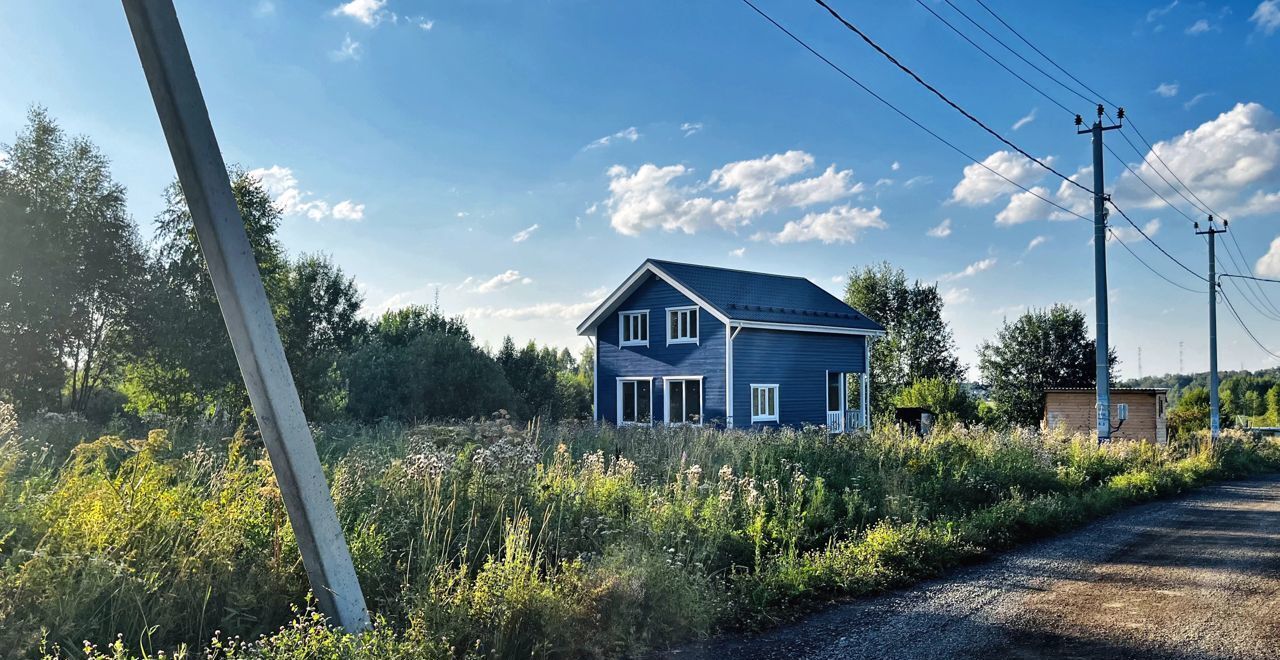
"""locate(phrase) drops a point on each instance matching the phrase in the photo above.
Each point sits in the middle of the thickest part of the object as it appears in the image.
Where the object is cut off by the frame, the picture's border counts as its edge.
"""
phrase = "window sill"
(681, 341)
(633, 344)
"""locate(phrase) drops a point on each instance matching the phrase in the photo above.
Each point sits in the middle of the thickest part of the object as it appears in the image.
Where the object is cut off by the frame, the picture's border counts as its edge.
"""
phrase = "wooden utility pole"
(243, 301)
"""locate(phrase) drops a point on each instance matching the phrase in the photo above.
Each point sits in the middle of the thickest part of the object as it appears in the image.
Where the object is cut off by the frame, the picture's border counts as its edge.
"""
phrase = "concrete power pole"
(1215, 415)
(1101, 343)
(243, 302)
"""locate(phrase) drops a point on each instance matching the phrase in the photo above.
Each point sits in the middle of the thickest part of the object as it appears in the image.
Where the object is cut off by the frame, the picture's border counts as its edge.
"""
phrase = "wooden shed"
(1074, 409)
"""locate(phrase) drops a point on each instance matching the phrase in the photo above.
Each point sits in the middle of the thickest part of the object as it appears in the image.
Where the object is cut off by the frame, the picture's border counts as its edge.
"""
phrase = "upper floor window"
(682, 324)
(633, 328)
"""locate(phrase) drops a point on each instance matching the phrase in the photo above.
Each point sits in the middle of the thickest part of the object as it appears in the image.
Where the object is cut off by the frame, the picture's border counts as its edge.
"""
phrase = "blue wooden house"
(686, 344)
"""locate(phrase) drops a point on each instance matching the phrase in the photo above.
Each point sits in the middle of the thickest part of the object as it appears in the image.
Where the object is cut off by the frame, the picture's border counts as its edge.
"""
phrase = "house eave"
(806, 327)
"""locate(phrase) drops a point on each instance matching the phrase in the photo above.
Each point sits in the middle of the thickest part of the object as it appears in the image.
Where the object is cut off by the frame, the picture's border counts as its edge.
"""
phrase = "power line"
(1098, 97)
(1250, 277)
(1243, 266)
(993, 58)
(1157, 245)
(904, 114)
(1250, 289)
(1155, 153)
(1018, 55)
(1145, 183)
(1244, 327)
(853, 28)
(1148, 266)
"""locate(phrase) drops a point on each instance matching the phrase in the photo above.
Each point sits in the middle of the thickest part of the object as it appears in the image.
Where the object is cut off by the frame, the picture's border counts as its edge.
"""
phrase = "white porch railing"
(843, 421)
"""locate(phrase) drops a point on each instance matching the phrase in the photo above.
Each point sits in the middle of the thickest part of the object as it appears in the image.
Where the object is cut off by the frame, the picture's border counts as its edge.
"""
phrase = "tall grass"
(488, 539)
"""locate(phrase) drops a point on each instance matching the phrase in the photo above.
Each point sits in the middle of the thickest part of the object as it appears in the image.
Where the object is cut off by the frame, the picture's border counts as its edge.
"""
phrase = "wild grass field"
(494, 539)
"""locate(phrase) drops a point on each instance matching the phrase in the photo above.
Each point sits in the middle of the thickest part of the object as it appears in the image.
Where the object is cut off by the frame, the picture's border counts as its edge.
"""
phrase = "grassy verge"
(490, 540)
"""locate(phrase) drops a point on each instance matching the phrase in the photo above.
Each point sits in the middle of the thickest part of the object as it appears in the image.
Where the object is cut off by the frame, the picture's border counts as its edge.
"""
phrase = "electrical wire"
(853, 28)
(993, 58)
(1148, 266)
(904, 114)
(1245, 327)
(1250, 277)
(1042, 54)
(1157, 245)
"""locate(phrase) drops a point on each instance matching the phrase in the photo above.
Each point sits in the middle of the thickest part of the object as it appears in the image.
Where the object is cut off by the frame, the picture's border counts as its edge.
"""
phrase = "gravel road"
(1197, 577)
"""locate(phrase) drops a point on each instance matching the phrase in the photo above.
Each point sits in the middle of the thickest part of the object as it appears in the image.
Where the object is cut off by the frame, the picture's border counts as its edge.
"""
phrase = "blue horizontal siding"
(798, 363)
(706, 358)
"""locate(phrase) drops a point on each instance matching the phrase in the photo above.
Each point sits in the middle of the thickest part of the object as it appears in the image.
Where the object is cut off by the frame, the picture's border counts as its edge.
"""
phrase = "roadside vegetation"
(491, 539)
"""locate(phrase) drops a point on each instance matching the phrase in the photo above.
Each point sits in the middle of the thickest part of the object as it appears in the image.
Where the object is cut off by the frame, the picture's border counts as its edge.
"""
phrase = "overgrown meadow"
(494, 539)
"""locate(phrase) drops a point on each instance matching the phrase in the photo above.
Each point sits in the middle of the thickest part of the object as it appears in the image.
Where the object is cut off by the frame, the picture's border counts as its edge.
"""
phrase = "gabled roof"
(745, 298)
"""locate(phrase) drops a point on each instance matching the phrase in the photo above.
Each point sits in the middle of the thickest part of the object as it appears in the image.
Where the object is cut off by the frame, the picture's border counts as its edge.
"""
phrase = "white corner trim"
(728, 375)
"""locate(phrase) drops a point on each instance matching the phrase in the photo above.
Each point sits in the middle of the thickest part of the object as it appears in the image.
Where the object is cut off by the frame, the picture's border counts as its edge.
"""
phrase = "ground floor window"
(635, 401)
(684, 400)
(764, 403)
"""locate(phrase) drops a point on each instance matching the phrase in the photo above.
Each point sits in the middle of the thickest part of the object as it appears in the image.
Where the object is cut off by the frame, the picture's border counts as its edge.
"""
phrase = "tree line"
(94, 321)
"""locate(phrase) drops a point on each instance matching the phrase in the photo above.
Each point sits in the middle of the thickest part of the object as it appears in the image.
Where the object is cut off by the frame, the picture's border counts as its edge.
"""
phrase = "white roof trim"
(801, 327)
(615, 299)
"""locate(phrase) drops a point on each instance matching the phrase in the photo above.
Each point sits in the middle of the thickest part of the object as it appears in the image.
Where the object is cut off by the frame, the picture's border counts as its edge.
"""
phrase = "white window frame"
(777, 403)
(634, 379)
(666, 400)
(622, 320)
(692, 310)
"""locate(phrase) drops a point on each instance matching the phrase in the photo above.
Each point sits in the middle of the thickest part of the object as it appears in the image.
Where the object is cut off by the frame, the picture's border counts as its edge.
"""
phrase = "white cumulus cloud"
(1035, 243)
(1267, 16)
(349, 50)
(1269, 264)
(1026, 119)
(979, 185)
(524, 234)
(691, 127)
(970, 270)
(1199, 27)
(942, 230)
(1232, 162)
(282, 185)
(499, 282)
(653, 197)
(1128, 234)
(630, 134)
(840, 224)
(1167, 90)
(369, 12)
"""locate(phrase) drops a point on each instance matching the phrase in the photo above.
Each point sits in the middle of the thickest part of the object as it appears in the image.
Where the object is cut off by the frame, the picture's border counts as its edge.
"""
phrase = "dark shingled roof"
(749, 296)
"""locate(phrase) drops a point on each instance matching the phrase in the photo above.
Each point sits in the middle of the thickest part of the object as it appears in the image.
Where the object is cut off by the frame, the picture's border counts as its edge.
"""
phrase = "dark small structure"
(919, 420)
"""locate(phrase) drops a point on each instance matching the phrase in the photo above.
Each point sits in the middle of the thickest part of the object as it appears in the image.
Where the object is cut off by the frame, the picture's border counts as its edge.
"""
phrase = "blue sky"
(520, 158)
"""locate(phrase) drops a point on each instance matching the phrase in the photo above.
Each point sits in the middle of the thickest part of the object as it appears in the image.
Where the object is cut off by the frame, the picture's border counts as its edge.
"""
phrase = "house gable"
(704, 359)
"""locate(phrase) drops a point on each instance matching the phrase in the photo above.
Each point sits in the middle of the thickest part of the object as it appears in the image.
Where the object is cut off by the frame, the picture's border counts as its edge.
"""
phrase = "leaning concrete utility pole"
(1102, 348)
(1215, 416)
(243, 301)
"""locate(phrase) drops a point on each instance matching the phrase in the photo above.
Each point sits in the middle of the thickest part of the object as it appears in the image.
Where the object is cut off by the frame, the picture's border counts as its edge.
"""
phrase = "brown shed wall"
(1076, 413)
